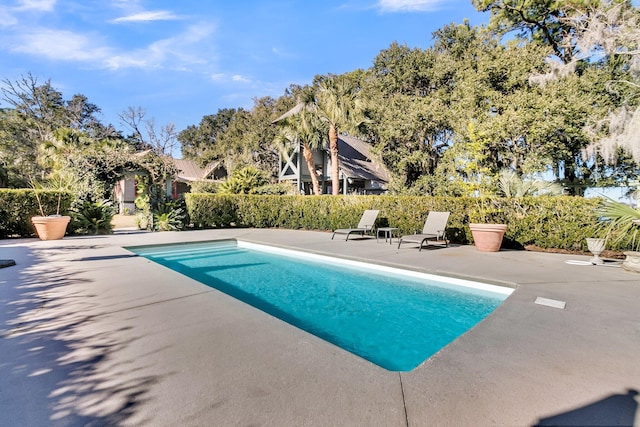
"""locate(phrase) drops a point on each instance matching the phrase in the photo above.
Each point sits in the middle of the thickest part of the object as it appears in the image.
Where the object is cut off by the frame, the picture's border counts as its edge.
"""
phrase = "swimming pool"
(394, 318)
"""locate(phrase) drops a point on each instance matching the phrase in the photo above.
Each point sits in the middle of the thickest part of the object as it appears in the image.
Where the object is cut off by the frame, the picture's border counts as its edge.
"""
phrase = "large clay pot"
(632, 261)
(488, 237)
(50, 227)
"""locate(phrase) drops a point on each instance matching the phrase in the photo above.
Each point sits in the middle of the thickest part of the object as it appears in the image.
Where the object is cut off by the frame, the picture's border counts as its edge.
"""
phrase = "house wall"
(125, 195)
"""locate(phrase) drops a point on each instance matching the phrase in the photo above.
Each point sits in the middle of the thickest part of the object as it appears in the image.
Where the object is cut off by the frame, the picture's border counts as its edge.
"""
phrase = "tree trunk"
(333, 148)
(308, 156)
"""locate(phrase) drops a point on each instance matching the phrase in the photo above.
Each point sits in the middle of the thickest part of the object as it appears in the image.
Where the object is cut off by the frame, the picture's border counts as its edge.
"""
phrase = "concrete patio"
(92, 335)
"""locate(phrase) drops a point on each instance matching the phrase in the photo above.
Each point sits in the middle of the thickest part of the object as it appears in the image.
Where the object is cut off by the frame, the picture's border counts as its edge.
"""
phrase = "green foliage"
(559, 222)
(511, 184)
(204, 187)
(170, 216)
(281, 188)
(211, 210)
(93, 217)
(18, 206)
(236, 137)
(60, 182)
(243, 181)
(142, 202)
(621, 223)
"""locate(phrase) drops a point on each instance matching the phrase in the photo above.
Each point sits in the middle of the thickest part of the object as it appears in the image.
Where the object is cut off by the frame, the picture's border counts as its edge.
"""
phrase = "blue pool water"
(393, 318)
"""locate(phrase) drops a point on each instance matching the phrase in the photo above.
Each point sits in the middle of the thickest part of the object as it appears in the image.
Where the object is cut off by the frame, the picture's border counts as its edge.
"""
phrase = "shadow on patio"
(57, 351)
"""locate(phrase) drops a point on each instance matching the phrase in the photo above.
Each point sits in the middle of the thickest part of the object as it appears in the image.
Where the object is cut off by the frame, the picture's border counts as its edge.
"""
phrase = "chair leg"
(399, 242)
(333, 235)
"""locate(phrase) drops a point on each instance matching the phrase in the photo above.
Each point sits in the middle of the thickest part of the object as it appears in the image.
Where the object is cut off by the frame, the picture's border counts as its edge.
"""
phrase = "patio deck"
(91, 335)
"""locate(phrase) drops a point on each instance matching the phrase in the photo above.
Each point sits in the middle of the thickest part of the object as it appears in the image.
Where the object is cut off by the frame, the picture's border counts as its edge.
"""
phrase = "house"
(188, 172)
(360, 172)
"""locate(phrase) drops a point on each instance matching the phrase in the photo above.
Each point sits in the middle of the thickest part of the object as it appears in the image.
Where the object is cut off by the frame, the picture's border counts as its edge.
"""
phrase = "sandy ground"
(123, 221)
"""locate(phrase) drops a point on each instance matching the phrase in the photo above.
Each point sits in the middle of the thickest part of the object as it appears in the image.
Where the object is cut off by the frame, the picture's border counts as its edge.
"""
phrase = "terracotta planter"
(50, 227)
(488, 237)
(632, 261)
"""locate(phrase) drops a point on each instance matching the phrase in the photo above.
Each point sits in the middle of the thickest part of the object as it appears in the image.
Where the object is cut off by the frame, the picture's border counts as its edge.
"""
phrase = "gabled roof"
(292, 112)
(356, 160)
(188, 170)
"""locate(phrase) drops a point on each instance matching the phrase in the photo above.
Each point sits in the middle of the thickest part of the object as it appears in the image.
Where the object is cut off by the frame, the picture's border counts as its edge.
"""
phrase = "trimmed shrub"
(17, 206)
(212, 210)
(561, 222)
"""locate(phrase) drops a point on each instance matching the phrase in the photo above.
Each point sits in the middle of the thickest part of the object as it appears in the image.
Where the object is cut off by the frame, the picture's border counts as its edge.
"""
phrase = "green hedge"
(561, 222)
(18, 206)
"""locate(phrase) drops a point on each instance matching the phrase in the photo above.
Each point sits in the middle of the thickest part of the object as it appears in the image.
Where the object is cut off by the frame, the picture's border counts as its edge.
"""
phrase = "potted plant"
(623, 224)
(52, 226)
(486, 227)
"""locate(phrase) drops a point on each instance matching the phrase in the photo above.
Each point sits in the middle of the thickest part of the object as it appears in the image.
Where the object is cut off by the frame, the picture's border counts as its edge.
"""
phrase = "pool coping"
(525, 364)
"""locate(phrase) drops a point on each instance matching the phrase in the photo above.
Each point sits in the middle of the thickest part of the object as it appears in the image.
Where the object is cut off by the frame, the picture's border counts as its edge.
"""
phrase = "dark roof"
(356, 160)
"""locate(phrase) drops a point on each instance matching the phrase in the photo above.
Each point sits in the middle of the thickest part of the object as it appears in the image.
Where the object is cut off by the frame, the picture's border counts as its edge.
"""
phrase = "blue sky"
(181, 60)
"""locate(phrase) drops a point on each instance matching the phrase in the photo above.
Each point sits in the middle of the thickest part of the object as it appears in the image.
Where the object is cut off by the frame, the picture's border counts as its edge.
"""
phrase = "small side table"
(388, 233)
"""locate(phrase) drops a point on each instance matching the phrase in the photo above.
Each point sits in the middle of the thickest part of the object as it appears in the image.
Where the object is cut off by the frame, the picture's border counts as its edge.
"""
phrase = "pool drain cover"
(550, 302)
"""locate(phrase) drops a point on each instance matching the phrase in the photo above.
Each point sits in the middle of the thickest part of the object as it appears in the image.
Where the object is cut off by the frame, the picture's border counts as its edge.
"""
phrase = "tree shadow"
(62, 355)
(613, 410)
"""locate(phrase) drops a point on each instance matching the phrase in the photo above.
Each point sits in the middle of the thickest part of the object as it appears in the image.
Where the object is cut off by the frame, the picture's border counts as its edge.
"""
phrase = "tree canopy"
(548, 87)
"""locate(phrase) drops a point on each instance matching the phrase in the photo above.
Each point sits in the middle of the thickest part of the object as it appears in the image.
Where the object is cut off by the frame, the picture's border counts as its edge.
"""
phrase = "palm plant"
(169, 216)
(336, 103)
(622, 222)
(510, 184)
(304, 129)
(243, 181)
(62, 181)
(94, 217)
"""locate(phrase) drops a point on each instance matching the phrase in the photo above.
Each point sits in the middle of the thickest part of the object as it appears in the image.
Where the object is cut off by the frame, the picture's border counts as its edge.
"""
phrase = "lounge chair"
(434, 228)
(366, 224)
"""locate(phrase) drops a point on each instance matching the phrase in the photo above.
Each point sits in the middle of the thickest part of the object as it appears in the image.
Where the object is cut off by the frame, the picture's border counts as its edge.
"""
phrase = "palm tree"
(337, 103)
(303, 128)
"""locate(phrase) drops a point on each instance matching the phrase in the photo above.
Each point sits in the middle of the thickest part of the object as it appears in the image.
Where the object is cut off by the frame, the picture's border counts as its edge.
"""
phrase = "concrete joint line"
(404, 403)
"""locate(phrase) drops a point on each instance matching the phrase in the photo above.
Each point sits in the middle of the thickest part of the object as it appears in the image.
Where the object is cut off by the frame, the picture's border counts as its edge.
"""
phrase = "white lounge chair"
(365, 225)
(434, 229)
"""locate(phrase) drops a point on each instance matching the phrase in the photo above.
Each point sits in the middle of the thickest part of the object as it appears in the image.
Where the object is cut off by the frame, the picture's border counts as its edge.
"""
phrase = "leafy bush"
(170, 216)
(204, 187)
(93, 217)
(561, 222)
(281, 189)
(17, 206)
(243, 181)
(211, 210)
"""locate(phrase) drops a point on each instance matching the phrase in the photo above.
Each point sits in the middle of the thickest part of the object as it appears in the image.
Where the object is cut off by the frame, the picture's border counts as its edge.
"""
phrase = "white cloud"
(178, 53)
(6, 17)
(240, 78)
(147, 16)
(41, 5)
(409, 5)
(225, 78)
(59, 45)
